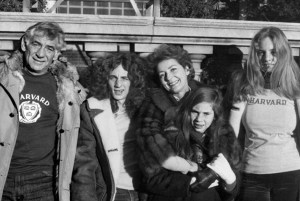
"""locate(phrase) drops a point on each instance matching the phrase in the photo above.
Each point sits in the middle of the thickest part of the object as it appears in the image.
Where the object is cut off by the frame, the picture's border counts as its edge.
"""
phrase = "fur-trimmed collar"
(59, 68)
(66, 75)
(164, 100)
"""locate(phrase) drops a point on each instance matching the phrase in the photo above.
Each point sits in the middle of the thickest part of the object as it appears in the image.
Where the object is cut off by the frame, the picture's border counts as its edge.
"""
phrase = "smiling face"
(267, 54)
(40, 52)
(173, 77)
(119, 84)
(202, 116)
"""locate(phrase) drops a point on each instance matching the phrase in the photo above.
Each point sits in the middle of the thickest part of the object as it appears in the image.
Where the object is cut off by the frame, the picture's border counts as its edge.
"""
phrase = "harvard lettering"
(253, 100)
(35, 97)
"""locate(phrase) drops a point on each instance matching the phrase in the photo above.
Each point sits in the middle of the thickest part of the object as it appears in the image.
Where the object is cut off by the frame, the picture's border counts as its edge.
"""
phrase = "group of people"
(144, 129)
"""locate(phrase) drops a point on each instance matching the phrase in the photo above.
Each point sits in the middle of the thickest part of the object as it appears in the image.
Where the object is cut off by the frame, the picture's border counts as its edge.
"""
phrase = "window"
(104, 7)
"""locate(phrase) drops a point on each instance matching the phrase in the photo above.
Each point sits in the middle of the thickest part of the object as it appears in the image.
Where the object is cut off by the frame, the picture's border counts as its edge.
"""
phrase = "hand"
(221, 166)
(194, 167)
(205, 179)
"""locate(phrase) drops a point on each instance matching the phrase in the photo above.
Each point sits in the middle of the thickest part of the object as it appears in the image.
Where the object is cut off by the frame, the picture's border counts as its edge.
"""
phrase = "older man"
(39, 117)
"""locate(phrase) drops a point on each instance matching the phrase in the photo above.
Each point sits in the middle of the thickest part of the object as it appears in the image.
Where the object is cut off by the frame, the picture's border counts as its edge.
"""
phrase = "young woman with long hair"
(200, 133)
(265, 99)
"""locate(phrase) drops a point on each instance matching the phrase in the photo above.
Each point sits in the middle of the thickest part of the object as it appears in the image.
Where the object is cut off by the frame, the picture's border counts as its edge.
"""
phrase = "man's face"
(119, 84)
(40, 53)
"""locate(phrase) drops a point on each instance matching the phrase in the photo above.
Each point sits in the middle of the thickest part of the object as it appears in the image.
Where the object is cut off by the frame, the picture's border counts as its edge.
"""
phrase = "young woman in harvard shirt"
(265, 98)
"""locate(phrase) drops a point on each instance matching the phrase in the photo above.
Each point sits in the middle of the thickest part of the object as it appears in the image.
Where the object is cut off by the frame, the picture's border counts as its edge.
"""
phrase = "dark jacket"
(160, 183)
(92, 176)
(156, 146)
(98, 158)
(205, 148)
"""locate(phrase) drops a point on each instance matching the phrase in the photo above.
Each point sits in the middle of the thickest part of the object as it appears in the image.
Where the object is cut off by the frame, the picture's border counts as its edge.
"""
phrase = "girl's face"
(202, 116)
(267, 54)
(119, 84)
(173, 77)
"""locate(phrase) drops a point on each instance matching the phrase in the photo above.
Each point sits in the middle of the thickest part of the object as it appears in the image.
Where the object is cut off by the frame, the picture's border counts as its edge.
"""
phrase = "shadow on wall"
(218, 67)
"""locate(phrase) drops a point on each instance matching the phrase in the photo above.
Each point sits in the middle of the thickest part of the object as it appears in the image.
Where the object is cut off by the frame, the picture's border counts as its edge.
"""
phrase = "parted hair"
(165, 52)
(49, 29)
(184, 122)
(219, 136)
(285, 76)
(101, 69)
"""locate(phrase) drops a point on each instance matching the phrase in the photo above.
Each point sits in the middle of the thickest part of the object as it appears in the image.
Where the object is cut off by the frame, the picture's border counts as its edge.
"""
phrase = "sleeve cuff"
(229, 187)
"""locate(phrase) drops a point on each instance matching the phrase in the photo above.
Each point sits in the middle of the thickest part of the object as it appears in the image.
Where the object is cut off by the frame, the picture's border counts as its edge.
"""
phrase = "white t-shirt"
(129, 165)
(269, 121)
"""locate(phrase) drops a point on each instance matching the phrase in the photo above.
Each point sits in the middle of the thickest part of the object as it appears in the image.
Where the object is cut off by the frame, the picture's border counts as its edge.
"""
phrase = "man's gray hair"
(49, 29)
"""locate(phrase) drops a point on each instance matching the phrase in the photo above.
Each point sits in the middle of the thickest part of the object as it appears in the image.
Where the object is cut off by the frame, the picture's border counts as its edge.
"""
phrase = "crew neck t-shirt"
(38, 114)
(270, 147)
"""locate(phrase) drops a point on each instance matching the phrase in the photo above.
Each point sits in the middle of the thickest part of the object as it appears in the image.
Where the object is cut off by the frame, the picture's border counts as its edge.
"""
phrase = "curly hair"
(165, 52)
(100, 71)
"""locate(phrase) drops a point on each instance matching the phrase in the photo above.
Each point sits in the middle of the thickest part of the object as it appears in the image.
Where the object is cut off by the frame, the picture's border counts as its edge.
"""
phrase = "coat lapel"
(105, 123)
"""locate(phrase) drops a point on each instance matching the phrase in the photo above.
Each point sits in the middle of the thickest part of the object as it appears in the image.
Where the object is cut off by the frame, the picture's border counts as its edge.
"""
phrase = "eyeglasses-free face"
(40, 52)
(119, 84)
(267, 54)
(202, 116)
(173, 77)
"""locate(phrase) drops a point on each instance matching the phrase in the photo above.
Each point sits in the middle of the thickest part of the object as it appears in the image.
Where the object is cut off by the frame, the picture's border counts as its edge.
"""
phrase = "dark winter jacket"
(205, 148)
(160, 183)
(156, 146)
(98, 157)
(92, 176)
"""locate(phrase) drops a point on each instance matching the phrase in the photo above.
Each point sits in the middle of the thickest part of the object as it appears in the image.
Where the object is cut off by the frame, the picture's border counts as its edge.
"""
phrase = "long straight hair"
(285, 77)
(184, 122)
